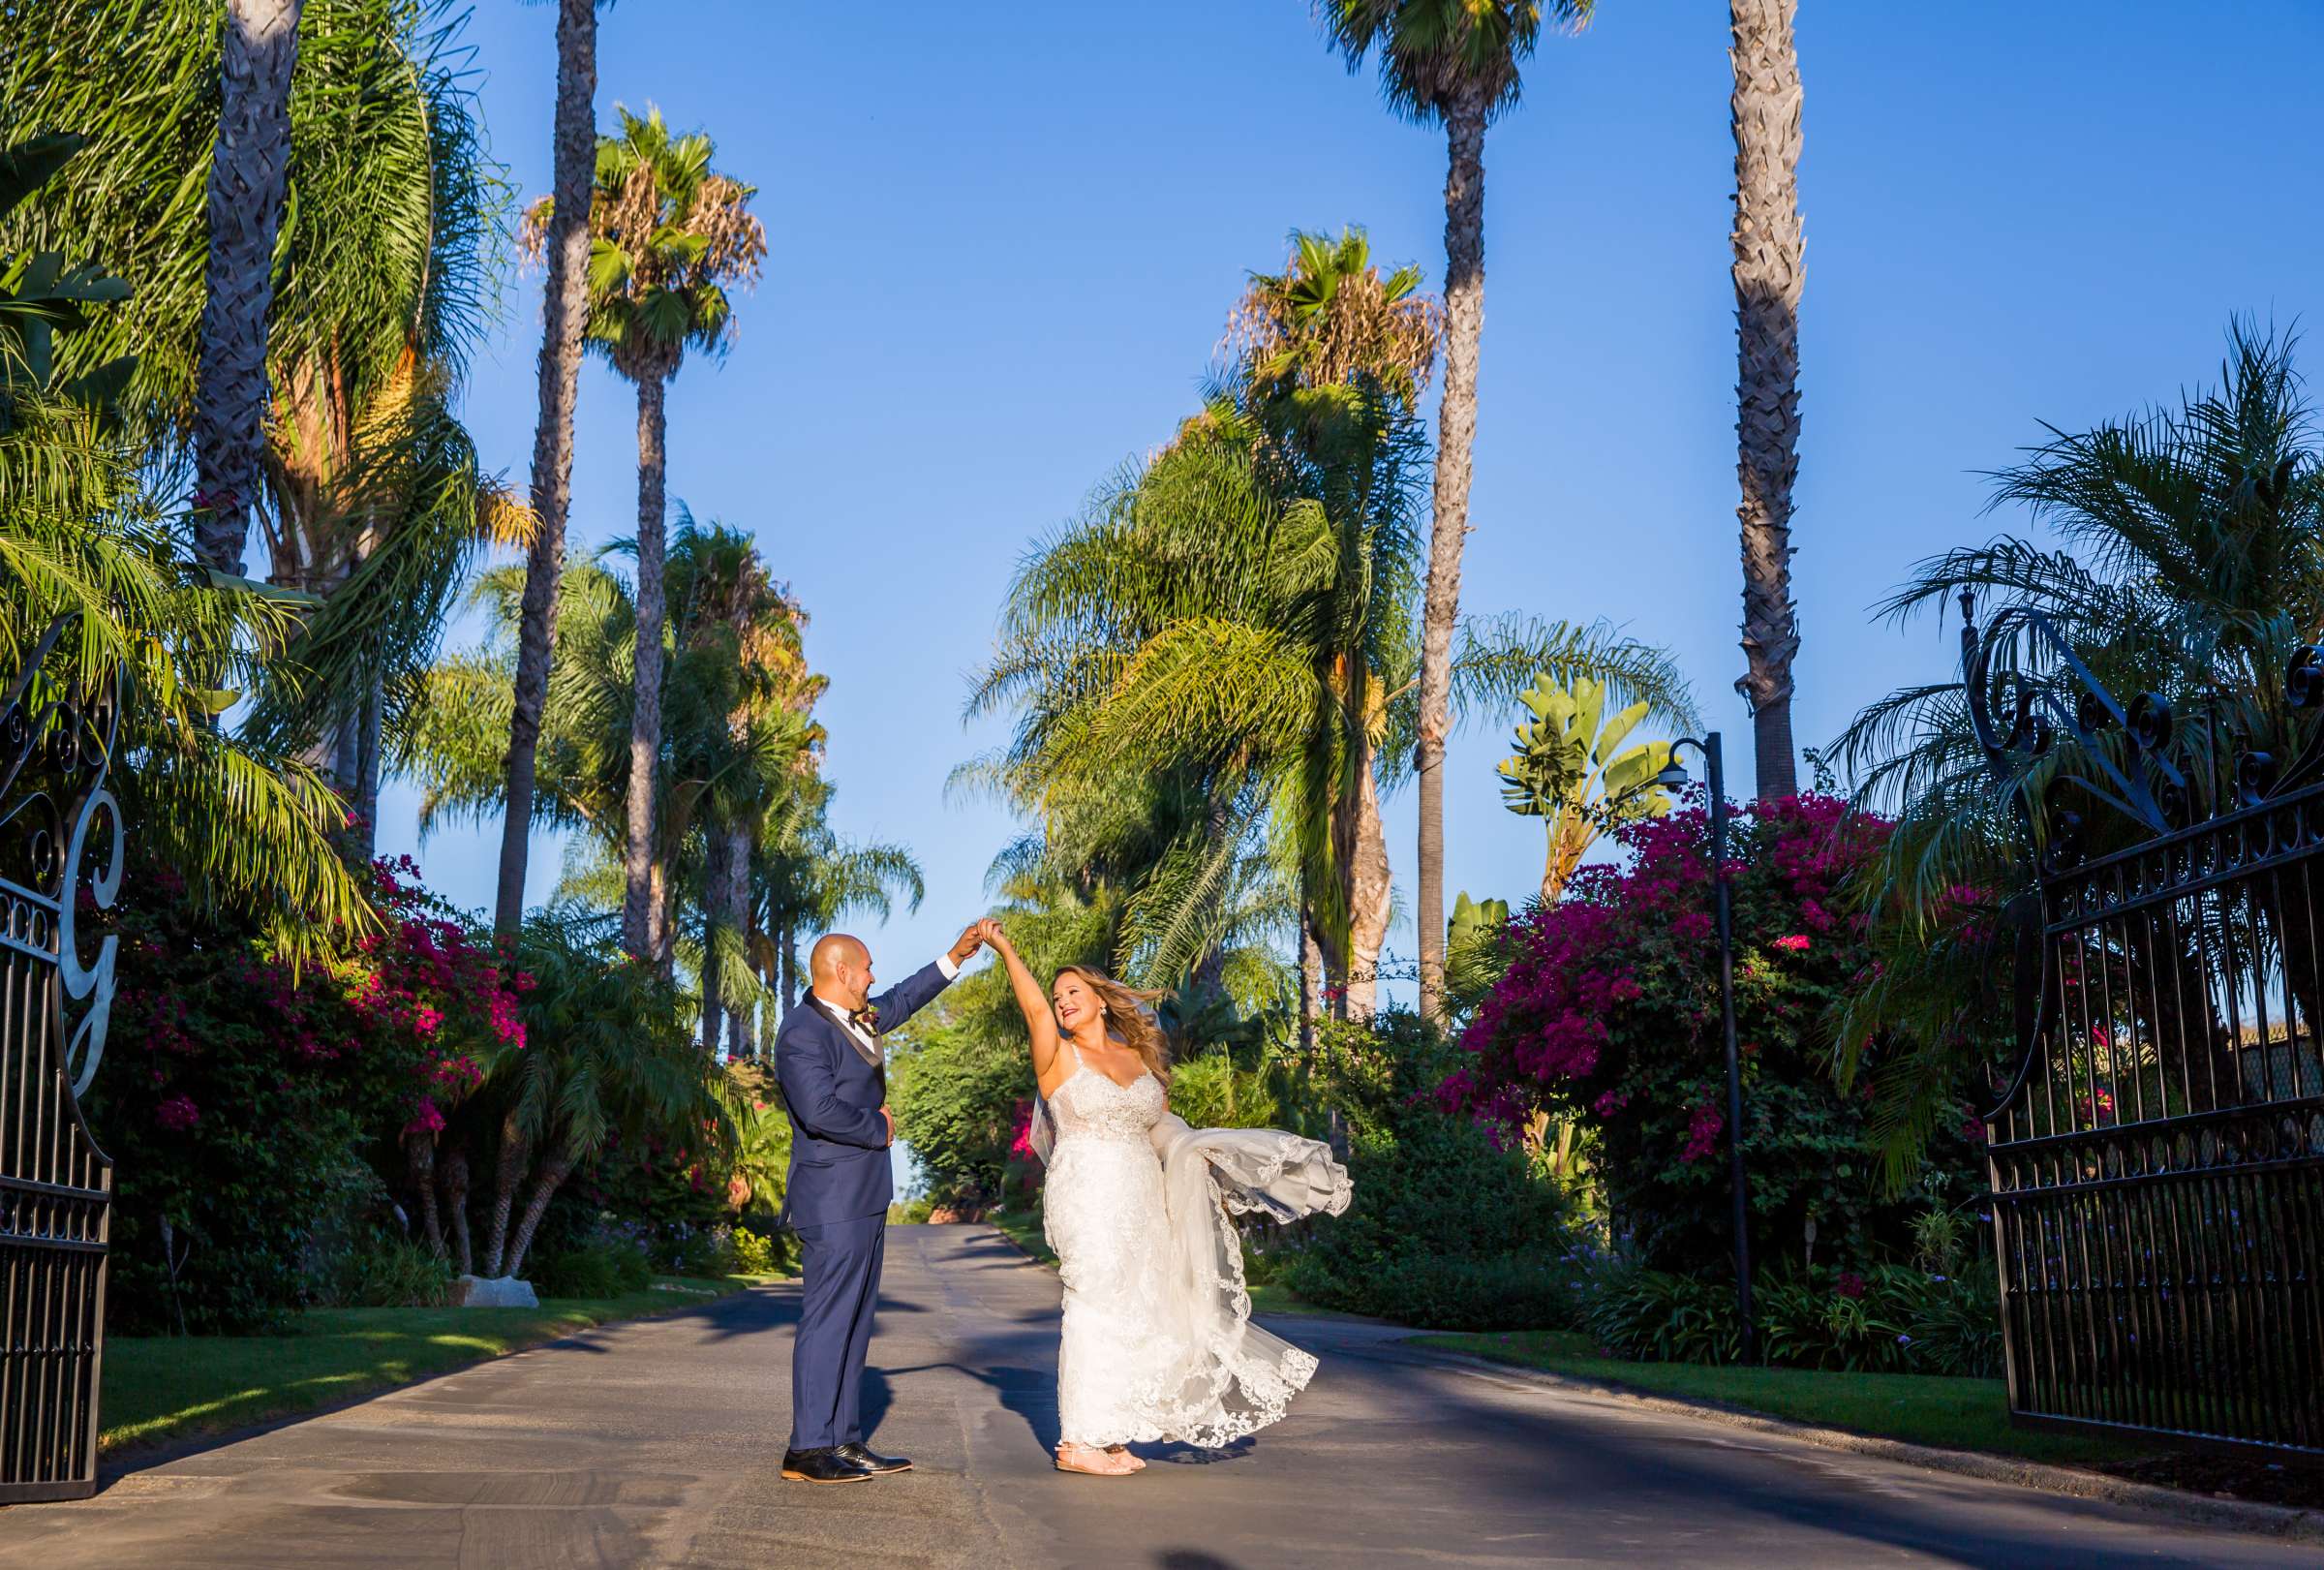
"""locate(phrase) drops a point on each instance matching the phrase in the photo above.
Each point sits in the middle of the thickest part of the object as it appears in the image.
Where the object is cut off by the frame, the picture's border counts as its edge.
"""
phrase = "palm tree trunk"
(1367, 931)
(787, 955)
(247, 174)
(368, 719)
(1767, 274)
(738, 917)
(1311, 978)
(455, 1204)
(1364, 857)
(419, 1165)
(714, 893)
(553, 1173)
(565, 311)
(515, 1150)
(641, 910)
(1448, 526)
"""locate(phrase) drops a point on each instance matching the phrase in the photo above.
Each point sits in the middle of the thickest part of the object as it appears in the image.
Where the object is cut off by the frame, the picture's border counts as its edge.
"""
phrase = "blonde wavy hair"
(1126, 1016)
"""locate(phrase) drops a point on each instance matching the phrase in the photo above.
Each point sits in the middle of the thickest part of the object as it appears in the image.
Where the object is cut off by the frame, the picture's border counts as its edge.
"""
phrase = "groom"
(835, 1084)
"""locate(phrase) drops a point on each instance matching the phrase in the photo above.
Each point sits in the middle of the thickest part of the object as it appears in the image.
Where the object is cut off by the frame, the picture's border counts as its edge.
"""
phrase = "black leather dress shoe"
(833, 1465)
(880, 1464)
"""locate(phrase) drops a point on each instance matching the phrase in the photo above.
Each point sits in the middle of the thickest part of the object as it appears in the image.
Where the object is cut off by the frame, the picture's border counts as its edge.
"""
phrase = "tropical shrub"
(1883, 1319)
(755, 1254)
(1213, 1091)
(1451, 1226)
(957, 1091)
(382, 1268)
(606, 1267)
(1608, 1015)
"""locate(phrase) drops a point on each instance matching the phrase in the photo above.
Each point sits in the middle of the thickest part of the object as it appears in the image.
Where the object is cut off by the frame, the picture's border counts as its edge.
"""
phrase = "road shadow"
(1030, 1393)
(1602, 1460)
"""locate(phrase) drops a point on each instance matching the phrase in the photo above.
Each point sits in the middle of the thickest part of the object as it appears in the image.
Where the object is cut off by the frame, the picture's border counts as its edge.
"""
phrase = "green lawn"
(163, 1387)
(1956, 1415)
(1024, 1229)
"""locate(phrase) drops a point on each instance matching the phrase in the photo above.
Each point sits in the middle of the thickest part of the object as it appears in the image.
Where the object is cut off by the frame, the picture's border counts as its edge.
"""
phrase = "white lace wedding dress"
(1158, 1342)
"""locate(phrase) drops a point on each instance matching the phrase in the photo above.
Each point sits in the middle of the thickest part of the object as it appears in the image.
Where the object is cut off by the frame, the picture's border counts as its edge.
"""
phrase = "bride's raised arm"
(1040, 1019)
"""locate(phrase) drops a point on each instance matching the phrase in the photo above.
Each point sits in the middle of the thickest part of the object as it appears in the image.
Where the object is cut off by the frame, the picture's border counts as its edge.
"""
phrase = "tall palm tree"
(1336, 355)
(742, 737)
(80, 539)
(1453, 63)
(376, 499)
(668, 237)
(1228, 635)
(1767, 272)
(564, 313)
(247, 174)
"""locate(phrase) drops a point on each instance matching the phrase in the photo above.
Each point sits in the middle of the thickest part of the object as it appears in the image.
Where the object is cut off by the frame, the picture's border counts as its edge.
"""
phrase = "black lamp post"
(1672, 778)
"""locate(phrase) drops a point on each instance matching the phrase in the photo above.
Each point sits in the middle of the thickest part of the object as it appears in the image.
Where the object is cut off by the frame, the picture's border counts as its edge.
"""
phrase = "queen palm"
(1766, 113)
(602, 1058)
(742, 734)
(668, 237)
(1453, 63)
(565, 313)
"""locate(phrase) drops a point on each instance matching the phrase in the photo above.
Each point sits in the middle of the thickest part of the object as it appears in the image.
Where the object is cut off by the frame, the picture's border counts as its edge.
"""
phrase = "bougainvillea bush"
(1609, 1013)
(249, 1104)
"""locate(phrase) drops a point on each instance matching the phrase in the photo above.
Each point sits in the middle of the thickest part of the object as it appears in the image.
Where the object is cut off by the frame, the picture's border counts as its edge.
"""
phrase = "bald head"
(839, 969)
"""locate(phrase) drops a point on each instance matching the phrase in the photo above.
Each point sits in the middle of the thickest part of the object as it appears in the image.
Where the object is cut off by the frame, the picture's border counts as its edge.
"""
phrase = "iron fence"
(56, 747)
(2158, 1161)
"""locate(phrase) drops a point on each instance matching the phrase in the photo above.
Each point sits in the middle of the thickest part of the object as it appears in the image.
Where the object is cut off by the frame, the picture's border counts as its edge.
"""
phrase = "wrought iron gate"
(2157, 1163)
(56, 746)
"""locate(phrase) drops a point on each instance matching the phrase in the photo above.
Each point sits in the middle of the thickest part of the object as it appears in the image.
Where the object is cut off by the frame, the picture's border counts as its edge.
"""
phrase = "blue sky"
(1004, 241)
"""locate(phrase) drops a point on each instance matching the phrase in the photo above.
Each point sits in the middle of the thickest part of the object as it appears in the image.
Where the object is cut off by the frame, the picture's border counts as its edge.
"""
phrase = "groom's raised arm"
(918, 990)
(914, 993)
(811, 1090)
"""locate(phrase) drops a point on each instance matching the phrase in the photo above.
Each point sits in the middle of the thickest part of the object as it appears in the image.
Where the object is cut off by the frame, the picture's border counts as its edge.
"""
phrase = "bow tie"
(863, 1017)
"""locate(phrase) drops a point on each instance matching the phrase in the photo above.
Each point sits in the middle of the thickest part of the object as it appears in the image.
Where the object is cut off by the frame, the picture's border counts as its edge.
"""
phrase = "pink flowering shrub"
(1609, 1012)
(240, 1093)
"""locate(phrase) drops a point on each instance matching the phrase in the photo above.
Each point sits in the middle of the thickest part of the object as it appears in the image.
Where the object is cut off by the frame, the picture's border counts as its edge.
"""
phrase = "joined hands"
(980, 933)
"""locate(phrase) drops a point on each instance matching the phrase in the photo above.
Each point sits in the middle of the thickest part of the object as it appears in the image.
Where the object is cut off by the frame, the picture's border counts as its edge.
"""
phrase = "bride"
(1158, 1342)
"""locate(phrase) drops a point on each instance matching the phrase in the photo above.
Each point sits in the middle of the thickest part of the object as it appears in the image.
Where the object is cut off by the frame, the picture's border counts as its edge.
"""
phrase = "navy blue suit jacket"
(840, 1168)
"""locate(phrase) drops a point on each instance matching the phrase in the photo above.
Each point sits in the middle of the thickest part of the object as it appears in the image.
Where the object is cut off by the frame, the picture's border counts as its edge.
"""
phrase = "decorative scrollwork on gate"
(57, 741)
(61, 848)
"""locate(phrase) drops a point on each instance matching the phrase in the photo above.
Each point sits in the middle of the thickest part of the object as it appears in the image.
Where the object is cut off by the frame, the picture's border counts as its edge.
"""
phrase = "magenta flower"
(178, 1113)
(1703, 1133)
(1796, 944)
